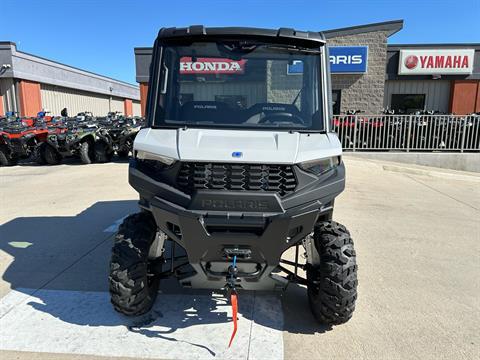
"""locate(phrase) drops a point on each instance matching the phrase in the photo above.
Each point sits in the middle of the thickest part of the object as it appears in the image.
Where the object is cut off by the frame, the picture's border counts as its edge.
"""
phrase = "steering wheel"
(280, 117)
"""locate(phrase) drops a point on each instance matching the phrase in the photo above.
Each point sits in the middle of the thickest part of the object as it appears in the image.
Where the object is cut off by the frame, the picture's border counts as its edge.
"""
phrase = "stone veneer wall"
(363, 91)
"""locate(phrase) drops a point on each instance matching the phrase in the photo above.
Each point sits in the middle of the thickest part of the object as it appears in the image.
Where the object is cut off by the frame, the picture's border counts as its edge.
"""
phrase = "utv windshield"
(248, 85)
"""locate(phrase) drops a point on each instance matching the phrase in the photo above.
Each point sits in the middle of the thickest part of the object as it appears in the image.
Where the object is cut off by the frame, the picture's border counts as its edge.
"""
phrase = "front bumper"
(258, 227)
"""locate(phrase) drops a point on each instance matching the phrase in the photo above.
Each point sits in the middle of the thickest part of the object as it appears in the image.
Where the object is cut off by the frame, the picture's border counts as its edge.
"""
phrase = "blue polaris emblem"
(237, 154)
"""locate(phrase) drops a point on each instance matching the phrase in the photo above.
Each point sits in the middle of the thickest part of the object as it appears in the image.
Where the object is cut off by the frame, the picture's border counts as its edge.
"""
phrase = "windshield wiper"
(298, 95)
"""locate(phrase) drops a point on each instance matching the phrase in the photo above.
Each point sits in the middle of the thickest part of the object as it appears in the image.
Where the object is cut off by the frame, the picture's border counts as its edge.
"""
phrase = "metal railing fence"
(408, 132)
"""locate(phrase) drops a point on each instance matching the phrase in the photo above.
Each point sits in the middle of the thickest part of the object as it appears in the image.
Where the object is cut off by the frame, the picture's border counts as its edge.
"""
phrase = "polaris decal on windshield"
(211, 66)
(274, 108)
(205, 107)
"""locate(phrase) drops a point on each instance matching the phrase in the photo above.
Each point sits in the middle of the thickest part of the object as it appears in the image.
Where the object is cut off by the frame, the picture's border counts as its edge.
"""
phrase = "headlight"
(145, 155)
(320, 166)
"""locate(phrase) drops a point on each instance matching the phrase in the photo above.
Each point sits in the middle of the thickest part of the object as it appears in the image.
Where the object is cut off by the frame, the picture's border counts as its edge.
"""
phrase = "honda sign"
(211, 66)
(436, 62)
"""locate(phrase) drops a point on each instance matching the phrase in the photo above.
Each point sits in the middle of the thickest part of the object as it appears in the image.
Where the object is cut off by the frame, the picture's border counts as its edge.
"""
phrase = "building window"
(234, 101)
(336, 97)
(408, 103)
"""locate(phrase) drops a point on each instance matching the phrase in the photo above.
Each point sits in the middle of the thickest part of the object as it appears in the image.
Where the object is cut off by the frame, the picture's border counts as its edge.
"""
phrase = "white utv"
(237, 165)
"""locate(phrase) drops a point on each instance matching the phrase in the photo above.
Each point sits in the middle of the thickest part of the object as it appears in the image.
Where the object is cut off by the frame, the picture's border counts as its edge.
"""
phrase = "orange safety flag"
(233, 300)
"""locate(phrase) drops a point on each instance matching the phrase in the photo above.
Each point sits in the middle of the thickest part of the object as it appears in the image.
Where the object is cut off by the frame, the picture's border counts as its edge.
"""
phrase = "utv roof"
(281, 35)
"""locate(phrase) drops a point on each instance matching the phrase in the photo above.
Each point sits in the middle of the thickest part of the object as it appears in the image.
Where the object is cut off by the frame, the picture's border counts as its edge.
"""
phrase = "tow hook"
(231, 282)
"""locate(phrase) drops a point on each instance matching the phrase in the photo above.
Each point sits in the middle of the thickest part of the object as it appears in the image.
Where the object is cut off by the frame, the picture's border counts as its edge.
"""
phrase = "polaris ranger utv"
(237, 165)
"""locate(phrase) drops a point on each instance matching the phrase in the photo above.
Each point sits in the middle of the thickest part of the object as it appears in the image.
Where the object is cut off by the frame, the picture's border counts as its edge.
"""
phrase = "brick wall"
(363, 91)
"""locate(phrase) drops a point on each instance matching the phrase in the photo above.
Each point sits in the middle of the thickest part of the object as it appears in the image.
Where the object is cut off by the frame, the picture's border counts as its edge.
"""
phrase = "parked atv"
(47, 152)
(123, 132)
(233, 187)
(73, 139)
(19, 141)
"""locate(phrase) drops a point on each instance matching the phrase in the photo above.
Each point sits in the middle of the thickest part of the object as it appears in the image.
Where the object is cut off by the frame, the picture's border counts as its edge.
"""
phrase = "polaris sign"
(348, 59)
(343, 60)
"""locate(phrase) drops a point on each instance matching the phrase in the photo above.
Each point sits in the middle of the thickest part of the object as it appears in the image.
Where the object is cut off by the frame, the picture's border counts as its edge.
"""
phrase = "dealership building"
(370, 75)
(29, 84)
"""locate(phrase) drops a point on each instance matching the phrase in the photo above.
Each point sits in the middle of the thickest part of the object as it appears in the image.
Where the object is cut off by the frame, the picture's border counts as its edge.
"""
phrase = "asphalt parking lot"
(417, 237)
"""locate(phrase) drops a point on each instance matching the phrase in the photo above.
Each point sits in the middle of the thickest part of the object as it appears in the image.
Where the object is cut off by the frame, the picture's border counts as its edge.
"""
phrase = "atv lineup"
(235, 187)
(92, 139)
(48, 139)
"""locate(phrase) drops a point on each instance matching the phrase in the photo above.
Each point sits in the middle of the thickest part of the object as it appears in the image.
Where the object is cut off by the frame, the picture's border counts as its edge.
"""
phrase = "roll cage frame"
(198, 33)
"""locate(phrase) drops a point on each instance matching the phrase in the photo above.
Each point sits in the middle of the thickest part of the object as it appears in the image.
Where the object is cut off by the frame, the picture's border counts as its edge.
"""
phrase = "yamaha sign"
(343, 60)
(436, 62)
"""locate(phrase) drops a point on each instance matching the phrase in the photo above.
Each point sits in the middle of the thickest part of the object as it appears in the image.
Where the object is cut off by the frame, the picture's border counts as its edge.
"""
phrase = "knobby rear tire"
(102, 152)
(50, 155)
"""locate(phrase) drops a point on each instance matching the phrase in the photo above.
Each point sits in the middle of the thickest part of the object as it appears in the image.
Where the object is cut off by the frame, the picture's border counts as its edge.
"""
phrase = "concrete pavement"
(417, 238)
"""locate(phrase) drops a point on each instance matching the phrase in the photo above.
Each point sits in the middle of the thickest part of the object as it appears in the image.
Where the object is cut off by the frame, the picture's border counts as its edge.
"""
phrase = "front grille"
(237, 177)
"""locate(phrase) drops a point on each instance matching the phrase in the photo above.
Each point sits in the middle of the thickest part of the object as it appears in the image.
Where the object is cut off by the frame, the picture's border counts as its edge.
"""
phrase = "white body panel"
(262, 147)
(160, 142)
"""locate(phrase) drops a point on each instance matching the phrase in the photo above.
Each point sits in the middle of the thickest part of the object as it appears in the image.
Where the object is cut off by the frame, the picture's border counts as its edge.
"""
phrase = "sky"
(99, 36)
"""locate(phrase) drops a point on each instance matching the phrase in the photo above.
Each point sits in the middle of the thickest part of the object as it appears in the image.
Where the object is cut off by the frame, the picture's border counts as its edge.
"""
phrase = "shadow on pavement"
(72, 160)
(297, 317)
(60, 259)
